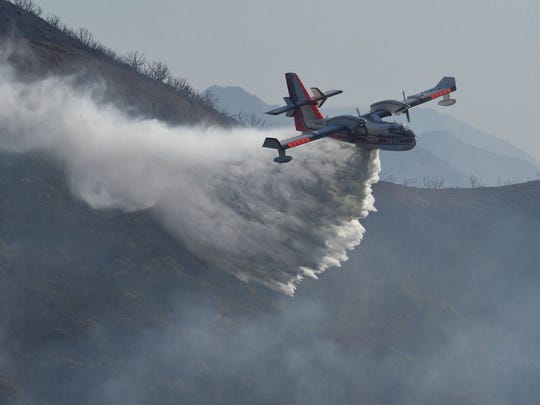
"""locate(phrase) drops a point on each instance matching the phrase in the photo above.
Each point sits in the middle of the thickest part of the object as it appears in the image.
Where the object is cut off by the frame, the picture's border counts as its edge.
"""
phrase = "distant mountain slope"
(447, 148)
(236, 99)
(36, 48)
(418, 165)
(430, 120)
(492, 167)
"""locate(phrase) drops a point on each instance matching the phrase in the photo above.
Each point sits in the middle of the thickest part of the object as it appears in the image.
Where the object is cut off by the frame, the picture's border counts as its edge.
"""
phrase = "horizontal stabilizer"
(272, 143)
(321, 97)
(289, 106)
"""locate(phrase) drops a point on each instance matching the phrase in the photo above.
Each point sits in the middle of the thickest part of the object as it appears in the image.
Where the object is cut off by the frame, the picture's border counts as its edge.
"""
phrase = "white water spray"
(215, 189)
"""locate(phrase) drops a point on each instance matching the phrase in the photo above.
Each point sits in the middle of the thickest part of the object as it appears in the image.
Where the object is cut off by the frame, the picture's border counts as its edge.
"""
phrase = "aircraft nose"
(412, 135)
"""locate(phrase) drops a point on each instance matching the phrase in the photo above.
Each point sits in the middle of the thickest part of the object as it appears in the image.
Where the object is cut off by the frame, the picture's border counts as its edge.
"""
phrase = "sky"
(371, 50)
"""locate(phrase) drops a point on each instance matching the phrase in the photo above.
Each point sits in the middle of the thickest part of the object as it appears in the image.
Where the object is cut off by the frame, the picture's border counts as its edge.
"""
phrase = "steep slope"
(37, 49)
(78, 284)
(437, 305)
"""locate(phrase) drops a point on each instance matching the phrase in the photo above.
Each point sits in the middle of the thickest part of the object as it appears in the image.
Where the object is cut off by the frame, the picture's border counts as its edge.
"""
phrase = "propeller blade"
(407, 110)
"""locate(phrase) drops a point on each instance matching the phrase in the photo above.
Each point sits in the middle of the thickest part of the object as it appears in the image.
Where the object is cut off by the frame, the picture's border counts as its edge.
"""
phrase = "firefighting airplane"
(368, 130)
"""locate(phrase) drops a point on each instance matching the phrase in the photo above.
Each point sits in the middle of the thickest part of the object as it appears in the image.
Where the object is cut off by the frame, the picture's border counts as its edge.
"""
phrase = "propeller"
(407, 110)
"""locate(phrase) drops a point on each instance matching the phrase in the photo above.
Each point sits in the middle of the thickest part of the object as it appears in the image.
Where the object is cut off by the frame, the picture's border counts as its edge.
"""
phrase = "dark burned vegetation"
(88, 297)
(80, 284)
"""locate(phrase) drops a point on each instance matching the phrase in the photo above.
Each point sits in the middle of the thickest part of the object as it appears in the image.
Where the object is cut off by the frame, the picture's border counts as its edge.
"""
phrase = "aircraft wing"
(446, 86)
(305, 137)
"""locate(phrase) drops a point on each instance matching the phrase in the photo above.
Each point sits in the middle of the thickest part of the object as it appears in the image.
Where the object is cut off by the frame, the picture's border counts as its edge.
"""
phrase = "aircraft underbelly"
(394, 143)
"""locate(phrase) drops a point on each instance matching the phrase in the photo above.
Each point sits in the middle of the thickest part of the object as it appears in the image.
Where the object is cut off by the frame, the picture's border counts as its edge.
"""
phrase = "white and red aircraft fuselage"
(368, 130)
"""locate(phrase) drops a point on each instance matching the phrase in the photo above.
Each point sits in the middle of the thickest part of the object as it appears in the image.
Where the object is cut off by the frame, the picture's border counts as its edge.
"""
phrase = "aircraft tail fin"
(307, 116)
(447, 83)
(302, 105)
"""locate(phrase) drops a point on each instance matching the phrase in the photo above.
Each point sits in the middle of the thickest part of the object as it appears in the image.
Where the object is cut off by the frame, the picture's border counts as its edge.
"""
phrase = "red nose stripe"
(441, 93)
(298, 142)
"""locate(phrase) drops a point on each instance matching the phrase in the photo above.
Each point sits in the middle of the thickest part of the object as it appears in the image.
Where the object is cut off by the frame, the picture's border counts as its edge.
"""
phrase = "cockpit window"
(396, 129)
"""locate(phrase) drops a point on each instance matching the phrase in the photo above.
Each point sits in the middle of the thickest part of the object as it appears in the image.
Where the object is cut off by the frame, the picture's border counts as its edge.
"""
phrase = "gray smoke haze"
(438, 306)
(217, 191)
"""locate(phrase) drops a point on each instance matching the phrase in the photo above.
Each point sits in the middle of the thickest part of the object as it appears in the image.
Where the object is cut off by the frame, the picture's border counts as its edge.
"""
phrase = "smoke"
(437, 307)
(216, 190)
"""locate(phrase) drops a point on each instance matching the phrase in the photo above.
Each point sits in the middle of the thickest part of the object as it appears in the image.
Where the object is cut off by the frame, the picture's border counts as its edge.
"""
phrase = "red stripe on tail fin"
(308, 112)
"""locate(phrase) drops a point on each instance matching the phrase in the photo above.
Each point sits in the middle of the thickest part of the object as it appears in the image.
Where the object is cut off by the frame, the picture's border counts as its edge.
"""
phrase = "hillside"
(36, 49)
(101, 306)
(77, 284)
(123, 246)
(438, 303)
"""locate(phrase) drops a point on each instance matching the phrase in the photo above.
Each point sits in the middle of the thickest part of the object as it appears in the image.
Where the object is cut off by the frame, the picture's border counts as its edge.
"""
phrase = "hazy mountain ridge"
(237, 99)
(413, 167)
(497, 168)
(430, 120)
